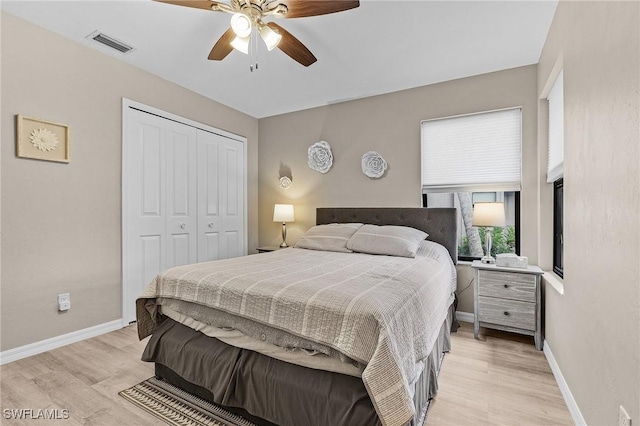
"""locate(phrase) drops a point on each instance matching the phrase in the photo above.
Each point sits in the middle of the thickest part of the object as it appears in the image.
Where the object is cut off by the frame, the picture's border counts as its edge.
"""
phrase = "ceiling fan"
(247, 15)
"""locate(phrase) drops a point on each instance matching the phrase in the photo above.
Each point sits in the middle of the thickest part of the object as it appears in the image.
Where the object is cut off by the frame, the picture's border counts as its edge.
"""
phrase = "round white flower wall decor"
(285, 182)
(373, 165)
(320, 157)
(44, 139)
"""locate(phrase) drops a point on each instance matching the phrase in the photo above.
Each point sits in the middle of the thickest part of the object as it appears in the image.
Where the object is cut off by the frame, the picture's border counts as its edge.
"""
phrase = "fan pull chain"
(256, 45)
(253, 51)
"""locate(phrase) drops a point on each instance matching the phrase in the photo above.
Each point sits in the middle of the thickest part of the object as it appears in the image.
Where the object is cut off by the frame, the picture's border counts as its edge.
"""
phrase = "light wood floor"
(499, 379)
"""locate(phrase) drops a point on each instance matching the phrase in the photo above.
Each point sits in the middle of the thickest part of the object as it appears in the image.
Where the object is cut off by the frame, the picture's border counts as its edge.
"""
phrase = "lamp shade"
(241, 44)
(270, 37)
(241, 24)
(283, 213)
(488, 214)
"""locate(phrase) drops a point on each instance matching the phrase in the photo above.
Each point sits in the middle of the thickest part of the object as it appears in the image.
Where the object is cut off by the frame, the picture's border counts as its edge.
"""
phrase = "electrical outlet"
(623, 417)
(64, 302)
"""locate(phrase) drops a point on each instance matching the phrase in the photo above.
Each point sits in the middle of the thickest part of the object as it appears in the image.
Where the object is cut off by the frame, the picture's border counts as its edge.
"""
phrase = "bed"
(314, 337)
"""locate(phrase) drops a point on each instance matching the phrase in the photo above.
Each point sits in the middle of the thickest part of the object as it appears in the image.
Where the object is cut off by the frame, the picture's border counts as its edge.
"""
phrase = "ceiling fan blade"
(292, 46)
(302, 8)
(223, 46)
(198, 4)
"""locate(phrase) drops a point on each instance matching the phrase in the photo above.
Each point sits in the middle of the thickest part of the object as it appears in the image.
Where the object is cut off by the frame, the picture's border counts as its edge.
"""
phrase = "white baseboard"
(464, 316)
(574, 410)
(58, 341)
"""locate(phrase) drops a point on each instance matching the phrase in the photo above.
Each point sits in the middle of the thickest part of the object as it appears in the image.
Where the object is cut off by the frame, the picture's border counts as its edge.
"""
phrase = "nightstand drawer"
(508, 313)
(507, 285)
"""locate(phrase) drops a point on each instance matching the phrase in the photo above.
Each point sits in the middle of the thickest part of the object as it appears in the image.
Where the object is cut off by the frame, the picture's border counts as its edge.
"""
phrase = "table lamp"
(488, 215)
(283, 213)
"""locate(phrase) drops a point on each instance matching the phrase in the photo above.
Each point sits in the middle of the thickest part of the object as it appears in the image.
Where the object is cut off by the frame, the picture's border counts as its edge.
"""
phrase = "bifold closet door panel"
(160, 210)
(181, 194)
(145, 201)
(232, 167)
(220, 197)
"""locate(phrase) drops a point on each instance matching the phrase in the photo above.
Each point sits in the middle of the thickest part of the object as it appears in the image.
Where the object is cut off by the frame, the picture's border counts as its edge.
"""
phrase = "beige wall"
(389, 124)
(61, 223)
(593, 330)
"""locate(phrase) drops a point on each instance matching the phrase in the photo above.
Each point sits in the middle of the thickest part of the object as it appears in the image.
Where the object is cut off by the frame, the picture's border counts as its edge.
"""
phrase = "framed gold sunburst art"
(42, 140)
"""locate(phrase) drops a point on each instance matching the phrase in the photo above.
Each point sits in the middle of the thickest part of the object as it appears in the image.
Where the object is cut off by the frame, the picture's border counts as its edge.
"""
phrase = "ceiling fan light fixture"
(241, 24)
(247, 15)
(270, 37)
(241, 44)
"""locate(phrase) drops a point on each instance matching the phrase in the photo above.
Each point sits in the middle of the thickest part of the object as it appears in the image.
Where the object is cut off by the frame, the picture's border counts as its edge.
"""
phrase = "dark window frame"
(558, 227)
(517, 226)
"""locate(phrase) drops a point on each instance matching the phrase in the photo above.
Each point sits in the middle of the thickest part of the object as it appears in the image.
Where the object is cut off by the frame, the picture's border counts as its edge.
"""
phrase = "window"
(555, 159)
(555, 167)
(472, 158)
(557, 228)
(504, 240)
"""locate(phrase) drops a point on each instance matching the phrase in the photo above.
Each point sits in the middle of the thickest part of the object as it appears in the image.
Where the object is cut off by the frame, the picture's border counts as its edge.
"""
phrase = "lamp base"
(284, 236)
(488, 259)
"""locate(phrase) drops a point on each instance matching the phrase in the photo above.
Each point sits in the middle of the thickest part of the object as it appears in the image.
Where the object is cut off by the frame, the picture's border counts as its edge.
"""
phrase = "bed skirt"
(270, 392)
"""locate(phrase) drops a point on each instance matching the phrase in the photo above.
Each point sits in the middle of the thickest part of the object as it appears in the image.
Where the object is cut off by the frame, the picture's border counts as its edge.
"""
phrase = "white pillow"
(389, 240)
(332, 237)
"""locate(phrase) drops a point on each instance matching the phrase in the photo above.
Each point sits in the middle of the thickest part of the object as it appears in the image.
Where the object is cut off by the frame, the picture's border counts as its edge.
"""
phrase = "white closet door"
(232, 183)
(181, 195)
(159, 210)
(220, 197)
(145, 201)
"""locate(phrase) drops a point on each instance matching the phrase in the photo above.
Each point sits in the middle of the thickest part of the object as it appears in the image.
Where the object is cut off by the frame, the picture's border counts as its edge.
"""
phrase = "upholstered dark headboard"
(439, 223)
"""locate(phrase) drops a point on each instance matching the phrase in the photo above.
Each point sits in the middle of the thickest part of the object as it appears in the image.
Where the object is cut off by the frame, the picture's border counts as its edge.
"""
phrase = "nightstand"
(268, 249)
(508, 299)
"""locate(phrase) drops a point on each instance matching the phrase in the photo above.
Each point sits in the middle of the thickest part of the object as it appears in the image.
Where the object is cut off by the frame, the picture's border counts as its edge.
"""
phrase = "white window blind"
(472, 153)
(555, 163)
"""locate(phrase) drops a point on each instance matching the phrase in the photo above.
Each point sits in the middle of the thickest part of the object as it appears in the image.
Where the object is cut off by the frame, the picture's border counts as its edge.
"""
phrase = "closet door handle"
(210, 225)
(183, 225)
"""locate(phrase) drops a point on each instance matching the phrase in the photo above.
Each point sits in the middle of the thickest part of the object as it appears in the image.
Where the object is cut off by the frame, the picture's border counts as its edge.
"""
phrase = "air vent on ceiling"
(110, 42)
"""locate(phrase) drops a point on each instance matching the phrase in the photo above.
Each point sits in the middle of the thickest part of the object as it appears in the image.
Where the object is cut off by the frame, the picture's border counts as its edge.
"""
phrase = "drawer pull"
(506, 286)
(506, 313)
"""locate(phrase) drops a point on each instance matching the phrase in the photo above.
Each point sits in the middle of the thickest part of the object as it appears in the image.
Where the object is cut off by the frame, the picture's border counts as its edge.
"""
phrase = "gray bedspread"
(382, 311)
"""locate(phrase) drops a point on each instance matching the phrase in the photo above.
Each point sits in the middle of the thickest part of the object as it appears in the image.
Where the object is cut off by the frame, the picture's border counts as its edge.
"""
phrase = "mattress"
(383, 312)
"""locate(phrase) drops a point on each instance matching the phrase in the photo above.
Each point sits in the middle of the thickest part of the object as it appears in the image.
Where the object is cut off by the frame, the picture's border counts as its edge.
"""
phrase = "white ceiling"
(380, 47)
